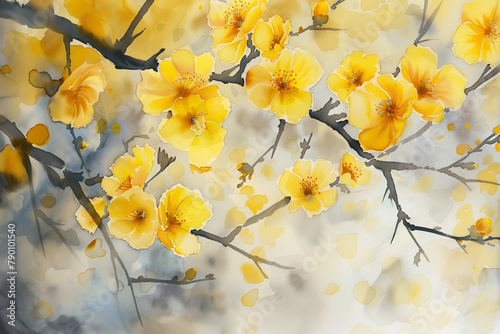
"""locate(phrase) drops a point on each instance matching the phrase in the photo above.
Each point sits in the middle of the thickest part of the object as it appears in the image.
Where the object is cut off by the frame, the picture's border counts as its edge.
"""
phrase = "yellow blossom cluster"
(134, 215)
(379, 105)
(311, 184)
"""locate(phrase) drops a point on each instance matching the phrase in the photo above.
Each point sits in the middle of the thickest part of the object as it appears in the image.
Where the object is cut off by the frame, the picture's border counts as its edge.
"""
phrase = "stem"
(255, 219)
(128, 37)
(38, 19)
(77, 149)
(483, 78)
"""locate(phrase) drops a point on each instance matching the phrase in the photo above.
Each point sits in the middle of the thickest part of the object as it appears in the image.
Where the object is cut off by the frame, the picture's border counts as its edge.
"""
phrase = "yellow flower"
(380, 108)
(320, 12)
(478, 36)
(12, 169)
(309, 187)
(129, 171)
(283, 86)
(271, 37)
(356, 69)
(179, 76)
(133, 218)
(73, 104)
(483, 226)
(195, 127)
(436, 89)
(181, 210)
(231, 22)
(352, 173)
(84, 218)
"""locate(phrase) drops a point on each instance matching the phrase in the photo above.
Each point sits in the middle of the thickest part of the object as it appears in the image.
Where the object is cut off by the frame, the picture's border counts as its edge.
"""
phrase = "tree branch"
(237, 78)
(129, 36)
(37, 19)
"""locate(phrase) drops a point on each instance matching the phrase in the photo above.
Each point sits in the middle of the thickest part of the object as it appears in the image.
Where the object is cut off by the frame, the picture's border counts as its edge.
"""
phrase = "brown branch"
(171, 281)
(237, 78)
(223, 242)
(129, 36)
(305, 145)
(38, 19)
(273, 147)
(255, 219)
(485, 76)
(338, 126)
(417, 134)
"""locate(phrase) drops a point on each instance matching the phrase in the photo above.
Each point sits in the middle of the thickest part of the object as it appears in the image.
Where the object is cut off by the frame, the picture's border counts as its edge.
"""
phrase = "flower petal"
(184, 242)
(292, 105)
(176, 130)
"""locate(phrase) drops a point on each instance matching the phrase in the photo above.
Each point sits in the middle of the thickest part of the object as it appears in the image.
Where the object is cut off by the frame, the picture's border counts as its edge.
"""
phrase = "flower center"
(355, 78)
(425, 89)
(234, 16)
(174, 218)
(284, 80)
(187, 82)
(198, 124)
(386, 108)
(137, 215)
(126, 184)
(78, 92)
(309, 187)
(276, 40)
(353, 170)
(492, 32)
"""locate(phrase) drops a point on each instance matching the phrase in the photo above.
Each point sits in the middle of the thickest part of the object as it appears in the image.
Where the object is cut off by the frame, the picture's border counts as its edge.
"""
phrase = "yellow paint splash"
(42, 310)
(94, 249)
(216, 192)
(234, 217)
(463, 148)
(38, 135)
(248, 191)
(176, 170)
(251, 274)
(237, 156)
(268, 234)
(87, 276)
(332, 289)
(48, 201)
(247, 237)
(392, 267)
(347, 245)
(250, 298)
(424, 184)
(364, 293)
(256, 203)
(145, 287)
(459, 193)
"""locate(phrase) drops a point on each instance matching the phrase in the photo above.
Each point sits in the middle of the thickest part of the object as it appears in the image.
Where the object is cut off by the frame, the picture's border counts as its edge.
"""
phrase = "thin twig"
(254, 219)
(417, 134)
(166, 281)
(31, 17)
(483, 78)
(237, 78)
(225, 243)
(77, 149)
(305, 145)
(129, 36)
(273, 147)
